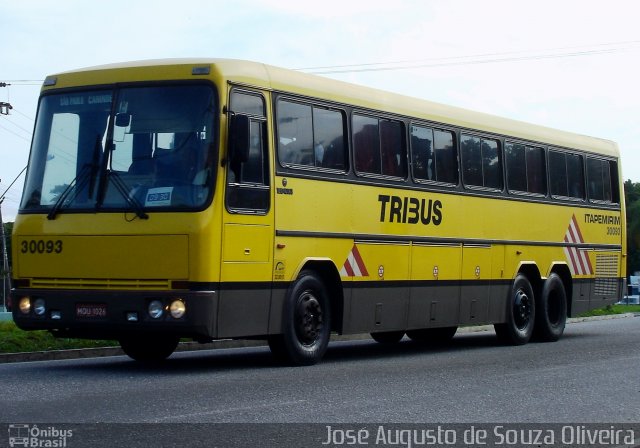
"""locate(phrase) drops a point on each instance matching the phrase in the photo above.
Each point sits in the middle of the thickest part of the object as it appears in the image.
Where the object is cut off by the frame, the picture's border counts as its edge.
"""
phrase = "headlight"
(155, 309)
(177, 309)
(25, 305)
(39, 307)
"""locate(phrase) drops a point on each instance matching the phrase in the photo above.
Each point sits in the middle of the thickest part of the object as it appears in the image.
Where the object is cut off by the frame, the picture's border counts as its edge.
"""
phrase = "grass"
(612, 309)
(14, 340)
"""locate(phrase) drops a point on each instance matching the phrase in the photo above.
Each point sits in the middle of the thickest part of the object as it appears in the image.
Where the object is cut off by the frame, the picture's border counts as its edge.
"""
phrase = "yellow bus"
(224, 199)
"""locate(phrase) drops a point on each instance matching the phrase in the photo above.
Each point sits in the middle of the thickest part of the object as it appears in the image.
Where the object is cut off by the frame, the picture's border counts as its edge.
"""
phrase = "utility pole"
(6, 279)
(5, 107)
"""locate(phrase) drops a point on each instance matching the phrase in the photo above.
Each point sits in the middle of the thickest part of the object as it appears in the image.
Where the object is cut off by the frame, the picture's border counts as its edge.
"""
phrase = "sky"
(571, 65)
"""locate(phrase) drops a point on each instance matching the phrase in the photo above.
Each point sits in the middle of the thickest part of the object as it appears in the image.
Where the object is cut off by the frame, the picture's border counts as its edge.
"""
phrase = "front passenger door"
(247, 228)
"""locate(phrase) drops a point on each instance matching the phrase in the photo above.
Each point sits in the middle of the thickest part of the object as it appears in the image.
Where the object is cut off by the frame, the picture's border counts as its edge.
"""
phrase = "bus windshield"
(131, 149)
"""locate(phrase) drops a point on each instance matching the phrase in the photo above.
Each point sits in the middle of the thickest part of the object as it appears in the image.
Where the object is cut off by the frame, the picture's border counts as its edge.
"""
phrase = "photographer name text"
(490, 435)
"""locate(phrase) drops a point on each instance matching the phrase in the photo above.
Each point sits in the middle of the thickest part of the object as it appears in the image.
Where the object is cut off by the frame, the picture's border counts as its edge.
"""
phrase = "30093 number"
(614, 231)
(41, 246)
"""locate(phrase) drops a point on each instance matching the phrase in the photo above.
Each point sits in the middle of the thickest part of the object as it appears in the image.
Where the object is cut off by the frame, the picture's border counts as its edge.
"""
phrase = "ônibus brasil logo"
(33, 436)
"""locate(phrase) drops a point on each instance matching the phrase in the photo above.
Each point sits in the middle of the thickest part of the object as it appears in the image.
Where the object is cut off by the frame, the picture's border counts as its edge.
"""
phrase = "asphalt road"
(591, 375)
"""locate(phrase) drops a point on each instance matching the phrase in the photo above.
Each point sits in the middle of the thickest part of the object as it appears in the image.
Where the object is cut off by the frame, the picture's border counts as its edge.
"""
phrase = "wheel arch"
(531, 271)
(328, 273)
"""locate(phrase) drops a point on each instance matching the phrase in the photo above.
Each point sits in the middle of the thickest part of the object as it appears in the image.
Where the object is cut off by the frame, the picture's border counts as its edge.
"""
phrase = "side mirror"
(239, 138)
(122, 123)
(123, 120)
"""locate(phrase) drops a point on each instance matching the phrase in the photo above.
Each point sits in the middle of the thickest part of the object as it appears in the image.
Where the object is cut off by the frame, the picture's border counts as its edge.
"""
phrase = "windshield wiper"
(76, 184)
(122, 187)
(87, 172)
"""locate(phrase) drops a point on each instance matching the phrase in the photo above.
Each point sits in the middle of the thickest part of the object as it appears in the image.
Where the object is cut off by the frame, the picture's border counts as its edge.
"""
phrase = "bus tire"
(306, 323)
(521, 311)
(388, 337)
(149, 349)
(432, 336)
(551, 310)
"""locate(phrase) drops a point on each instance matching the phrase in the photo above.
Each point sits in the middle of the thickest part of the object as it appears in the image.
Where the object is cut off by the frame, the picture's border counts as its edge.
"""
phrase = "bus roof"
(286, 80)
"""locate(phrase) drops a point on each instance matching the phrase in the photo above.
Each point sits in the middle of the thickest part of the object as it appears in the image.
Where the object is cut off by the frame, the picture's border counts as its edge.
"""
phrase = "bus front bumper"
(116, 314)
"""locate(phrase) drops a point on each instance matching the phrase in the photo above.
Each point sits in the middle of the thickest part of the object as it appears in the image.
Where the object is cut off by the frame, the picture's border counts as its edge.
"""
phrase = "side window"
(422, 154)
(481, 162)
(254, 170)
(516, 166)
(446, 157)
(492, 164)
(295, 133)
(247, 103)
(311, 136)
(558, 174)
(566, 175)
(575, 176)
(378, 146)
(526, 168)
(392, 149)
(329, 145)
(366, 144)
(471, 154)
(434, 155)
(248, 181)
(536, 171)
(602, 178)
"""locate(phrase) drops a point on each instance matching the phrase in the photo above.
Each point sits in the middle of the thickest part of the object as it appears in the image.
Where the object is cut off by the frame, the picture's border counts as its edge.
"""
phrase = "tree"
(8, 228)
(632, 200)
(631, 192)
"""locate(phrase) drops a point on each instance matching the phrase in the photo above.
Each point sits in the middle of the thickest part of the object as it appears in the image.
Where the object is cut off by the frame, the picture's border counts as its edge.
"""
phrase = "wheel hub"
(308, 318)
(521, 309)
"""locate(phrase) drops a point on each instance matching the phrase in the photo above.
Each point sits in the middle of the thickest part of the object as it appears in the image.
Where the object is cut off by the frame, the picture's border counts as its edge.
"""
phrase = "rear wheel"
(551, 312)
(388, 337)
(149, 348)
(306, 323)
(521, 310)
(432, 336)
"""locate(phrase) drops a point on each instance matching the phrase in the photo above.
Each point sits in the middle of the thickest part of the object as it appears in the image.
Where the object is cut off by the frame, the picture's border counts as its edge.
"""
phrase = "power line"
(16, 134)
(484, 58)
(18, 126)
(11, 184)
(405, 61)
(12, 197)
(27, 82)
(25, 116)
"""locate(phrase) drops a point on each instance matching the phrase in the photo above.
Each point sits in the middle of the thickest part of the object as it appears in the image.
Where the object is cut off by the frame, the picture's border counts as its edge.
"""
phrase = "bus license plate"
(91, 310)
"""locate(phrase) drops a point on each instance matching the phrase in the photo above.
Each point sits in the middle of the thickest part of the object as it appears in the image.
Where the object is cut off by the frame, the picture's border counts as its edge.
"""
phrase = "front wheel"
(521, 311)
(149, 348)
(306, 323)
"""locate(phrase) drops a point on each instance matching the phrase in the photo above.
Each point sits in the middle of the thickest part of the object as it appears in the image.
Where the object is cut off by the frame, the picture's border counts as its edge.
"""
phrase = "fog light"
(155, 309)
(25, 305)
(39, 307)
(177, 309)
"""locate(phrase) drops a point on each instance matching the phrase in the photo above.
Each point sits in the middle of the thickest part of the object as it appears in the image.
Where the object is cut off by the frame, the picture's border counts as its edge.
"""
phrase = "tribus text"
(408, 210)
